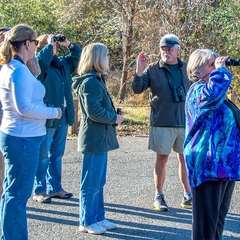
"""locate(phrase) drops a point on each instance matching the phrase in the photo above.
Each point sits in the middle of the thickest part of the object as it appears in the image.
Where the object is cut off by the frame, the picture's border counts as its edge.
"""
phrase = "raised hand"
(141, 63)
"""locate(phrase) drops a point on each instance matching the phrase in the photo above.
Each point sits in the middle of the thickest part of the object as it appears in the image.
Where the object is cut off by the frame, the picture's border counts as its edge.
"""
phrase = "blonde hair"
(198, 59)
(34, 66)
(93, 57)
(15, 40)
(42, 39)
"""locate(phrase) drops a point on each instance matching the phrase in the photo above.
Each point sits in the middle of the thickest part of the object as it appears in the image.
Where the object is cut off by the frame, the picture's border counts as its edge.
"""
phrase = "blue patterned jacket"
(212, 143)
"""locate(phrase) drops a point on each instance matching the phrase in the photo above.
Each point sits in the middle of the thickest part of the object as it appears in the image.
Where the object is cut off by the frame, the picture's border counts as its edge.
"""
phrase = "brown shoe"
(42, 198)
(62, 194)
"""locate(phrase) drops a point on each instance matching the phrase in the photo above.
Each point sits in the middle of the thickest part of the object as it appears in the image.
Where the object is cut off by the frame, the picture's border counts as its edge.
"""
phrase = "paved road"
(128, 195)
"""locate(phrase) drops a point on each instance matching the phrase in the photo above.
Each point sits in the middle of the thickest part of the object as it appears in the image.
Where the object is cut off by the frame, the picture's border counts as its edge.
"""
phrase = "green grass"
(136, 115)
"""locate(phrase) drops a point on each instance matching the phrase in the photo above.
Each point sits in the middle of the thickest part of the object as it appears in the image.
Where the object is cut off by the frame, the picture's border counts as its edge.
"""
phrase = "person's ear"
(197, 74)
(27, 43)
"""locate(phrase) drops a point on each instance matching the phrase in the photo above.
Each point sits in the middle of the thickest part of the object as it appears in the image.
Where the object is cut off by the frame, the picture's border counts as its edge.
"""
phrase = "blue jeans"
(49, 171)
(21, 159)
(91, 202)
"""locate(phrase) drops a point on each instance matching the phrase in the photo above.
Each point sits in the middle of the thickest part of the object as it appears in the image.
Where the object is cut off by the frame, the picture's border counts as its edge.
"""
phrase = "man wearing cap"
(168, 83)
(3, 32)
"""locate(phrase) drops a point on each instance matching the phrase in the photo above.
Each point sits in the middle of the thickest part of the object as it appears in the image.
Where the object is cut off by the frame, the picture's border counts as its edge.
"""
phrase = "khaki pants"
(1, 173)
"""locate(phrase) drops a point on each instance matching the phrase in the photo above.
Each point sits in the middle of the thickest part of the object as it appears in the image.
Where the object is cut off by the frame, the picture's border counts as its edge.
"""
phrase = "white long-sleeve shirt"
(21, 95)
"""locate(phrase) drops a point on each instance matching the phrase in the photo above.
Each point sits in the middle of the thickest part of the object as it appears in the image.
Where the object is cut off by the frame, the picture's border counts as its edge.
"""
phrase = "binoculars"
(232, 62)
(119, 111)
(178, 94)
(59, 38)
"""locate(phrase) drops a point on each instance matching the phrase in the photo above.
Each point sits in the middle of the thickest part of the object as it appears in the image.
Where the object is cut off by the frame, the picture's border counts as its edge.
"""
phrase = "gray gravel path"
(129, 196)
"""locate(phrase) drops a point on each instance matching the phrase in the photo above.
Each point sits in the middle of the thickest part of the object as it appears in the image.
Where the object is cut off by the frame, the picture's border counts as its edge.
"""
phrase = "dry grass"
(136, 115)
(136, 121)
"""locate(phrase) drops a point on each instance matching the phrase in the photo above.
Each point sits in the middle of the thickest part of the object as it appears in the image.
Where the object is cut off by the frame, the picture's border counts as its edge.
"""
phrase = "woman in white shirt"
(22, 128)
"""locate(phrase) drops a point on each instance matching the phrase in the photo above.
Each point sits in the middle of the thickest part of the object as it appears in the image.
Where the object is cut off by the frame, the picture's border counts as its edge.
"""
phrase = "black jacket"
(164, 111)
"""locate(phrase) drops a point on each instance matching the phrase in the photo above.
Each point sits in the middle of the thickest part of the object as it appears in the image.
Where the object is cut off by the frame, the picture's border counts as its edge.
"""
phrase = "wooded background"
(128, 27)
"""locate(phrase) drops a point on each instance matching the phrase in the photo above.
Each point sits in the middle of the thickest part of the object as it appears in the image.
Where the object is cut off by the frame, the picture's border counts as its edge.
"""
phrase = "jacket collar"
(16, 57)
(164, 65)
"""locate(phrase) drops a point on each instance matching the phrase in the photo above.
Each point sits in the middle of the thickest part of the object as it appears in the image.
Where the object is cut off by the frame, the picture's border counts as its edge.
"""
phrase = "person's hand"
(3, 36)
(141, 63)
(119, 119)
(59, 113)
(65, 43)
(221, 61)
(50, 39)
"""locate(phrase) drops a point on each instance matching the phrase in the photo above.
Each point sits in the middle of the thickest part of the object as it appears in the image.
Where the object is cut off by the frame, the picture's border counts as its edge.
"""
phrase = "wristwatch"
(70, 44)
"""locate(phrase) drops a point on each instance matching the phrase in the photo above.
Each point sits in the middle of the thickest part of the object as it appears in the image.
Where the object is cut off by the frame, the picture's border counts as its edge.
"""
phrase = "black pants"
(211, 202)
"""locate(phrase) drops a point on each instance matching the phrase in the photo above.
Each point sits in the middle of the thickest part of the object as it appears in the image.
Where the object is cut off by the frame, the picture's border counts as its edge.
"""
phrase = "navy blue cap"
(169, 42)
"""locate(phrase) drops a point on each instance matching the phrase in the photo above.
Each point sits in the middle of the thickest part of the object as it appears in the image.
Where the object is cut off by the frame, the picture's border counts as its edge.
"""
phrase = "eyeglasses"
(34, 40)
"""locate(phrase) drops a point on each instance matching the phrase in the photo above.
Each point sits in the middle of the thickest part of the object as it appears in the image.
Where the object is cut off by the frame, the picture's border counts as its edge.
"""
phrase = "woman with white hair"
(211, 148)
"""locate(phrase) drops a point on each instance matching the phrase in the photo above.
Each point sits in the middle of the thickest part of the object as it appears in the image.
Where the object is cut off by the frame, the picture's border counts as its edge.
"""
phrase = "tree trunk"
(127, 47)
(126, 61)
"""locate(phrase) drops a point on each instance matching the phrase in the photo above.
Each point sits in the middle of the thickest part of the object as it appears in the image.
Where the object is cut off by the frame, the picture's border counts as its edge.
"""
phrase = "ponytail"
(5, 52)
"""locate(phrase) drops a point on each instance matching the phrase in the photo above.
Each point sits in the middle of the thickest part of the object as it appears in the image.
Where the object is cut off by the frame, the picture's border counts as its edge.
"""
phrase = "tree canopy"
(128, 27)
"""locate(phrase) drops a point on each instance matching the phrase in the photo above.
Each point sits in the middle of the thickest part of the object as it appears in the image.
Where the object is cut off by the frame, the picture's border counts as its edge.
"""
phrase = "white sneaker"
(42, 198)
(93, 229)
(107, 224)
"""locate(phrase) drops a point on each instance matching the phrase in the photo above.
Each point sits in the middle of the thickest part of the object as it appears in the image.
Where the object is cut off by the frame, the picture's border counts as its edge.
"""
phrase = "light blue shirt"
(1, 112)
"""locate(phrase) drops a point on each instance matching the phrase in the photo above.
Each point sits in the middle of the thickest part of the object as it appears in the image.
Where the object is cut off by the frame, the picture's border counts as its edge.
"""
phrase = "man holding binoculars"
(168, 83)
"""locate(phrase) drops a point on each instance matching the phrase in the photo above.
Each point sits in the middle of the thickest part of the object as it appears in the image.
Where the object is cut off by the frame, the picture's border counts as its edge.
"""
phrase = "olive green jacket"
(97, 132)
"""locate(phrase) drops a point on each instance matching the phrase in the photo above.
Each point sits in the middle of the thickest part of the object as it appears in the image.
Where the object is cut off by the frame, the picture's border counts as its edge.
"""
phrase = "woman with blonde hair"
(22, 129)
(3, 35)
(97, 136)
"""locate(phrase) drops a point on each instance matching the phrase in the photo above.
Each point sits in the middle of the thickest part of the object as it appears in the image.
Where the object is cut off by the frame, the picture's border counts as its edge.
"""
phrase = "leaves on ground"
(132, 130)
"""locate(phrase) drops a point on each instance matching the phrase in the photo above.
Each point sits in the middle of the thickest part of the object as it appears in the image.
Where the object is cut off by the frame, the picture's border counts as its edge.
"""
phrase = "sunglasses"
(34, 40)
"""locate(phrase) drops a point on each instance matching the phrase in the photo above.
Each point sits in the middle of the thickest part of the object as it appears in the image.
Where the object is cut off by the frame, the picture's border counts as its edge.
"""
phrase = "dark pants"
(211, 202)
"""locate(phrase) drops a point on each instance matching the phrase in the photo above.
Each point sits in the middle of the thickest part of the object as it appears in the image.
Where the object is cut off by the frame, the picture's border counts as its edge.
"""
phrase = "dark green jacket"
(97, 133)
(164, 111)
(56, 77)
